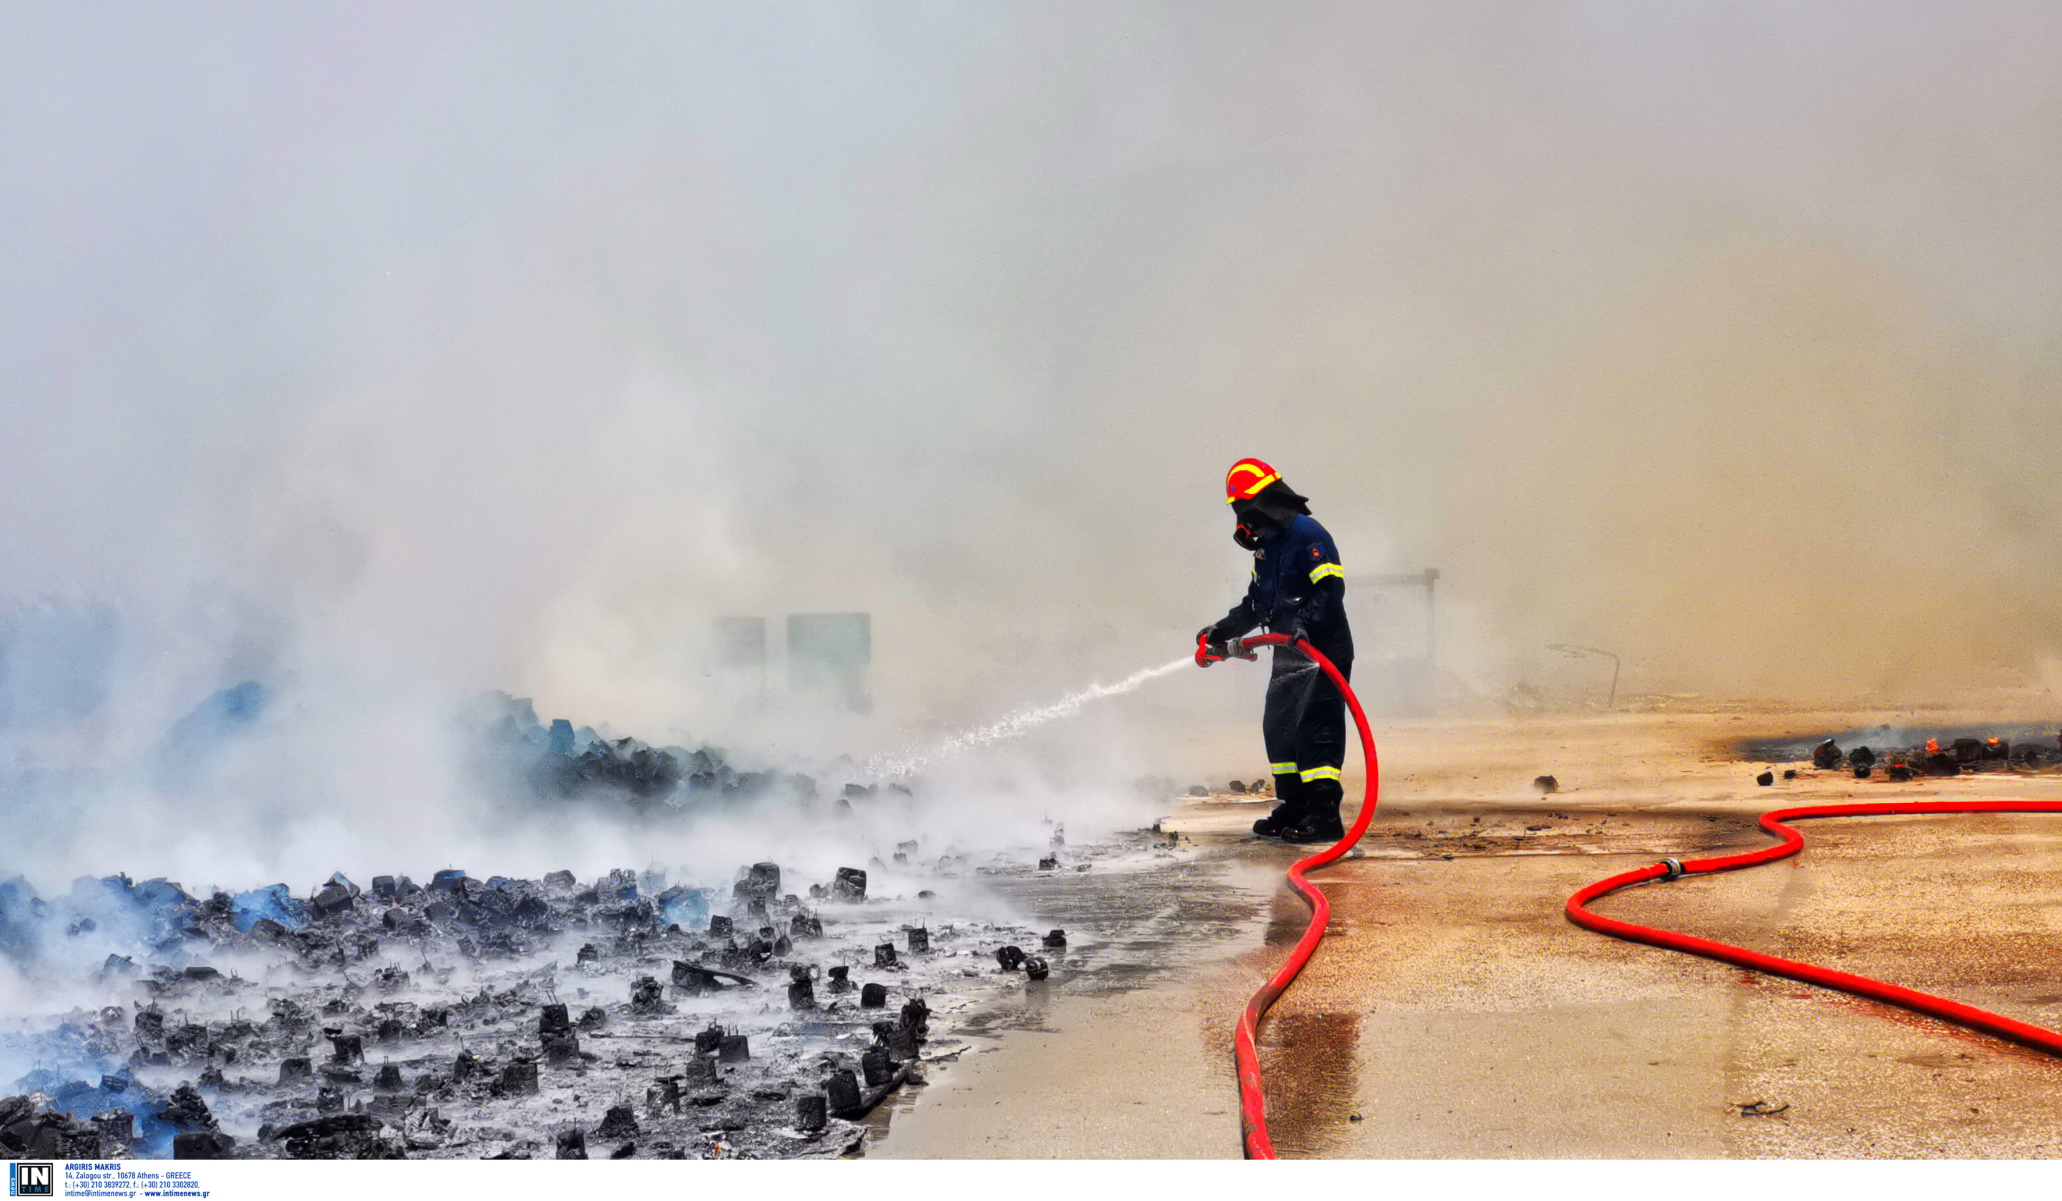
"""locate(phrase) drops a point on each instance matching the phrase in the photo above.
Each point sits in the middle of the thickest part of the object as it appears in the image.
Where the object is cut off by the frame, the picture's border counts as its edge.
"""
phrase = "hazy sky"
(502, 345)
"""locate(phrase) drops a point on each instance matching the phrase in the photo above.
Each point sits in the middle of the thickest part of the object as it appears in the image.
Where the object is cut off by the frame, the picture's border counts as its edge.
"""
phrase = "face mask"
(1247, 535)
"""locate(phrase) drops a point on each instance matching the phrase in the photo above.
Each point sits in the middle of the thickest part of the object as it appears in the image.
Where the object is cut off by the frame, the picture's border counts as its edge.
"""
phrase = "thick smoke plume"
(384, 354)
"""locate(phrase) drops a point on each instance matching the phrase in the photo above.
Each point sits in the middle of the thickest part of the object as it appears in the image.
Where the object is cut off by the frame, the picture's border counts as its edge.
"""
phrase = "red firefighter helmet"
(1246, 479)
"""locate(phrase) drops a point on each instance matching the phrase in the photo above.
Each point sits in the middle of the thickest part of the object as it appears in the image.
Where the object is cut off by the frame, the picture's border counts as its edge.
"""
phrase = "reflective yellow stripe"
(1282, 769)
(1319, 773)
(1324, 569)
(1249, 491)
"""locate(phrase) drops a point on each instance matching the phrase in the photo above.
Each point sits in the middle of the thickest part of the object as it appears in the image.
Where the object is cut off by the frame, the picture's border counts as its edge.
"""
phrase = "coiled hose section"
(1790, 843)
(1253, 1101)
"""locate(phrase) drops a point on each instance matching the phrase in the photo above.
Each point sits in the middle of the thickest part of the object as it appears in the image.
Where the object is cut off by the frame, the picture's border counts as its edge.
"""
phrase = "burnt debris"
(485, 1016)
(558, 762)
(849, 886)
(1900, 755)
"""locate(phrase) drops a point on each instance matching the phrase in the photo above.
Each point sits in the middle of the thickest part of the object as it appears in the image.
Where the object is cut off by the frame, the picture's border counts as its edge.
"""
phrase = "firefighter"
(1298, 589)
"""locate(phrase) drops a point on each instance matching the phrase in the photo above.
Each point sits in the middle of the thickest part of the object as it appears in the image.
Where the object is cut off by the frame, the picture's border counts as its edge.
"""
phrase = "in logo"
(31, 1180)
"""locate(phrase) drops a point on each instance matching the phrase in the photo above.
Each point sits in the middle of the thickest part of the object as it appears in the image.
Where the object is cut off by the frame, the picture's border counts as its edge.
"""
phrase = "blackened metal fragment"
(202, 1144)
(561, 1048)
(519, 1078)
(841, 1092)
(646, 997)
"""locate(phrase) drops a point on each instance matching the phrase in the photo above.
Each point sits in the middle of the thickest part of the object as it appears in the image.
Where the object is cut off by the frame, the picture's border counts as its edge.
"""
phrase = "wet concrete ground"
(1454, 1012)
(1113, 1060)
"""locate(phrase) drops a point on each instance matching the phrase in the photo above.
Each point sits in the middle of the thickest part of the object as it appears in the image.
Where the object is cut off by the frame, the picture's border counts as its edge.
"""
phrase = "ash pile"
(492, 1018)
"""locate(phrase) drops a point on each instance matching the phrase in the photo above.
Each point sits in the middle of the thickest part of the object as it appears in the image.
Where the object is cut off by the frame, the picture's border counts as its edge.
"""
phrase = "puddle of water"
(1311, 1065)
(1127, 931)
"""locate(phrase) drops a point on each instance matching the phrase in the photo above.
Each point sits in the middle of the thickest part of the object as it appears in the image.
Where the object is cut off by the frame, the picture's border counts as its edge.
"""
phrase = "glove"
(1293, 629)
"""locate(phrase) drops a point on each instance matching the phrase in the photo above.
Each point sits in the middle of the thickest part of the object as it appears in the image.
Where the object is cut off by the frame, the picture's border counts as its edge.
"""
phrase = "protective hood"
(1279, 503)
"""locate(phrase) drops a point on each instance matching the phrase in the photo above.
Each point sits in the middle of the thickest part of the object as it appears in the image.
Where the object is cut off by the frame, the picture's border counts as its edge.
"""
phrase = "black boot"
(1319, 820)
(1288, 810)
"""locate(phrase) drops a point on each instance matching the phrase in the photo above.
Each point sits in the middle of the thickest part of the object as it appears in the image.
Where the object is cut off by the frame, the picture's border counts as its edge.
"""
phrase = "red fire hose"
(1252, 1101)
(1792, 842)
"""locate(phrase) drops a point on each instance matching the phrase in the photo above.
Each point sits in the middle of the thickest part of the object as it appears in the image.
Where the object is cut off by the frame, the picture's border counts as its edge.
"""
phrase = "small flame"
(1933, 746)
(1993, 742)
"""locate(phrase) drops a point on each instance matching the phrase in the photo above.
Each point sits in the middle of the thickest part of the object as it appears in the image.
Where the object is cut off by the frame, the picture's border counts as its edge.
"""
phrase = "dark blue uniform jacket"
(1296, 578)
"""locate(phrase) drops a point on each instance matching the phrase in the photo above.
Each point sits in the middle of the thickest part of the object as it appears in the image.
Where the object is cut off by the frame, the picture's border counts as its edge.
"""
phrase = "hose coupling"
(1672, 869)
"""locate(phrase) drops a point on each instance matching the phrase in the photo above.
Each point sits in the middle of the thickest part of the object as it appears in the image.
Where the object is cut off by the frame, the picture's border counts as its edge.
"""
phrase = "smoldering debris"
(629, 1015)
(2002, 747)
(496, 1017)
(556, 761)
(1903, 755)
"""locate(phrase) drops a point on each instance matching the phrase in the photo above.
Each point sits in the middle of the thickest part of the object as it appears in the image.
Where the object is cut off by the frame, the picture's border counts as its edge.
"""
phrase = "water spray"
(1017, 724)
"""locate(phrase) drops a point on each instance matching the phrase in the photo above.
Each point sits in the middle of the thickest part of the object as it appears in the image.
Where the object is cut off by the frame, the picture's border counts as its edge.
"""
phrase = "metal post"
(1431, 617)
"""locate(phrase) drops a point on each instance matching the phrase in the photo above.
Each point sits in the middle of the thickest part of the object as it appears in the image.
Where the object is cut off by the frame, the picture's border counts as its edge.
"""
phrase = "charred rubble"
(486, 1018)
(556, 761)
(498, 1017)
(1948, 754)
